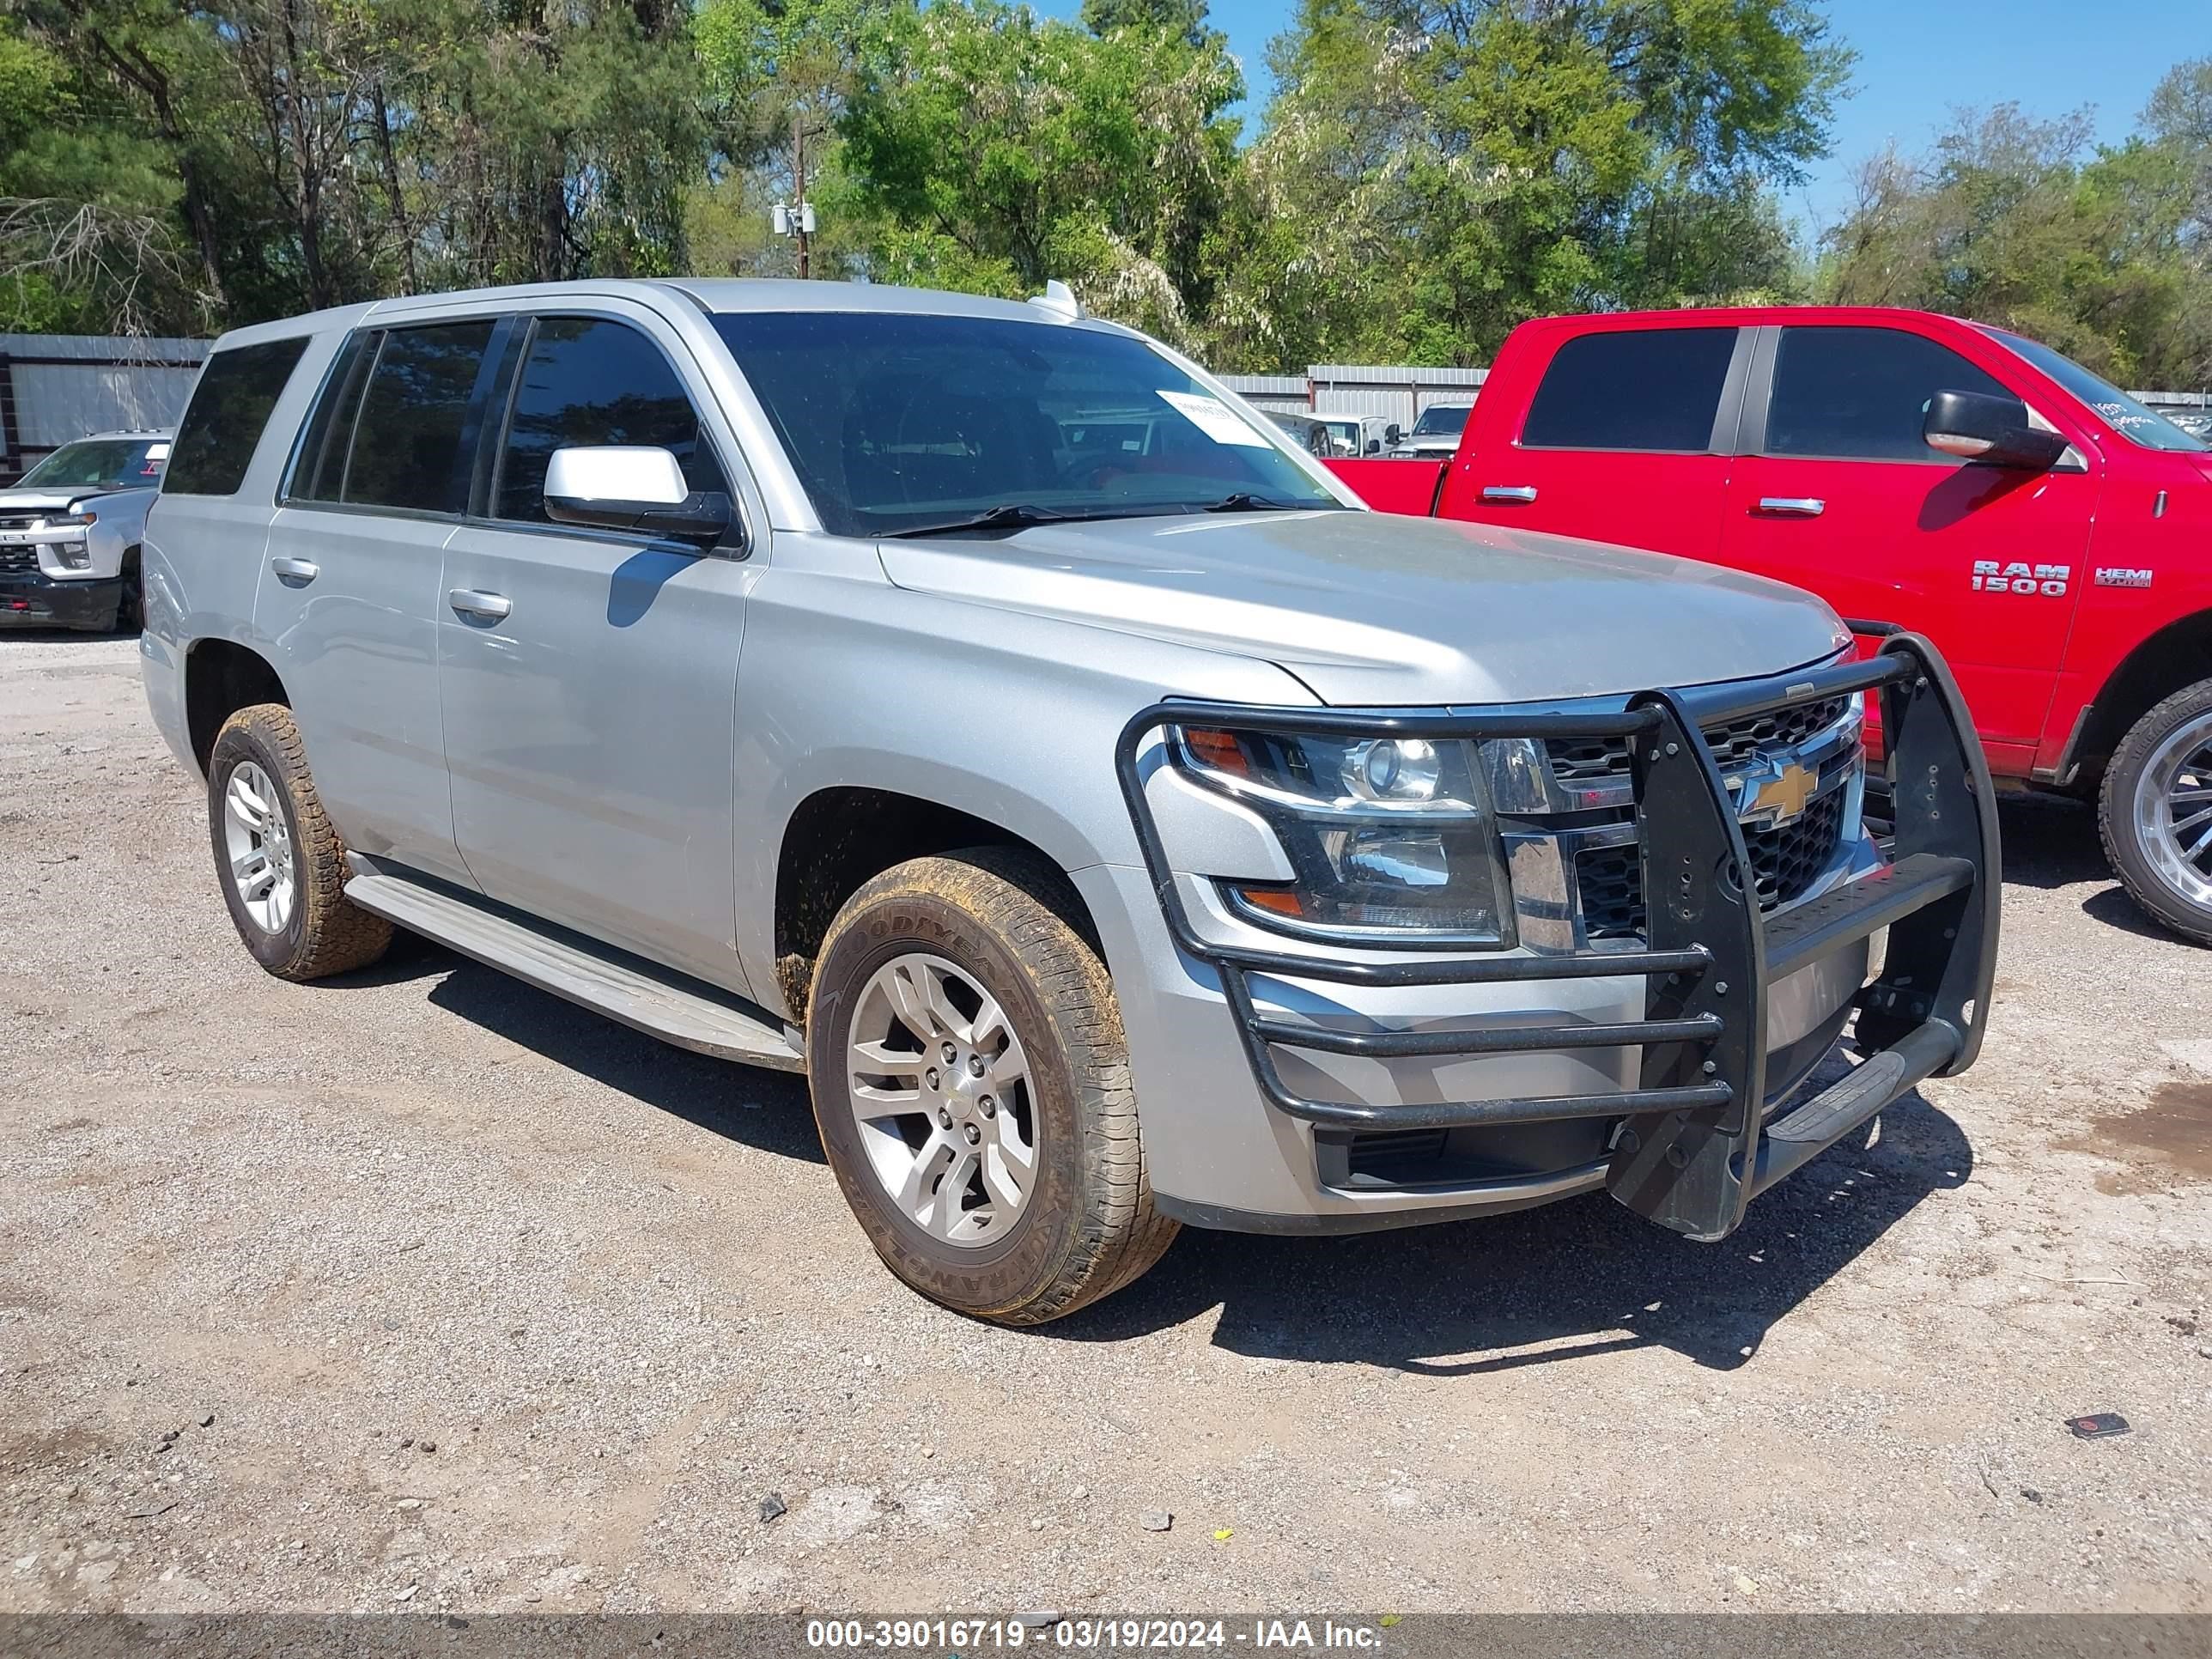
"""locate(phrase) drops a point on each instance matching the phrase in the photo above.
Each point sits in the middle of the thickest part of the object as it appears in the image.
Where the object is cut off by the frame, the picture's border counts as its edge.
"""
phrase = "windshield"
(2132, 420)
(895, 420)
(1439, 420)
(113, 463)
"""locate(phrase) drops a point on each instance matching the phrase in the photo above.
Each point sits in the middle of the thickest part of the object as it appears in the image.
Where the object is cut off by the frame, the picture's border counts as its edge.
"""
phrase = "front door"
(1842, 495)
(589, 678)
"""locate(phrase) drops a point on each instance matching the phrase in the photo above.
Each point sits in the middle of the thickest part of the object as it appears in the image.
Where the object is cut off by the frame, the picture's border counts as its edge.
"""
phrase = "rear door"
(349, 591)
(1839, 493)
(1627, 440)
(589, 676)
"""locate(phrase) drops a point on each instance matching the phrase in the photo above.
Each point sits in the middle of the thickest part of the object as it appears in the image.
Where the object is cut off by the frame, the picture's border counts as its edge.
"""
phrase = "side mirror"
(1374, 445)
(1393, 433)
(1980, 426)
(617, 487)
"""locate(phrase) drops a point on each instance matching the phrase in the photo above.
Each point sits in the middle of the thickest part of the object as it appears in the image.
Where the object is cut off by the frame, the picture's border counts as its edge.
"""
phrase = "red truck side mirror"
(1979, 426)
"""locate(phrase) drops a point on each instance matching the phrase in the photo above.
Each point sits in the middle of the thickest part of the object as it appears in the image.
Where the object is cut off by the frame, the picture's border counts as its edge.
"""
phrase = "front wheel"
(2156, 812)
(971, 1084)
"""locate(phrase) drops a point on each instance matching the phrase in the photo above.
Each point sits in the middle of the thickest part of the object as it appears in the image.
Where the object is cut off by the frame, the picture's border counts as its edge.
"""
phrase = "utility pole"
(798, 184)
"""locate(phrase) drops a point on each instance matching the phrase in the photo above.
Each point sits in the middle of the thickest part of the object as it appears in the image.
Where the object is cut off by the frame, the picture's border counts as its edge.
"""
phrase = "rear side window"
(1653, 388)
(319, 473)
(407, 445)
(588, 380)
(1862, 393)
(230, 405)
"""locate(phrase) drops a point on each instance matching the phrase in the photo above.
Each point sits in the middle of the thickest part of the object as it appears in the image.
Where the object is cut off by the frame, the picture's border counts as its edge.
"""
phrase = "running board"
(686, 1013)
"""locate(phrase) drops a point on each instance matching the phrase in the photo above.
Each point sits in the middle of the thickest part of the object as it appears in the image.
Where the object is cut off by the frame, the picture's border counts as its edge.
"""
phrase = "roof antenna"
(1058, 301)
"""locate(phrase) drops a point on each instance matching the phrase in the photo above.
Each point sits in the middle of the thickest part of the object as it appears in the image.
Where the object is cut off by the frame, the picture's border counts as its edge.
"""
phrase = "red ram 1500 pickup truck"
(2050, 533)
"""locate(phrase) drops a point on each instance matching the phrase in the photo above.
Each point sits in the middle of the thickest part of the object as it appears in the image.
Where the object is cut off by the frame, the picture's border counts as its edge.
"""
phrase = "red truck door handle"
(1792, 506)
(1522, 493)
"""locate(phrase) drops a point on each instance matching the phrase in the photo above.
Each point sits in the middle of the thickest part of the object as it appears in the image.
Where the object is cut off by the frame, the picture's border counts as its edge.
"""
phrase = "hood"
(1378, 609)
(38, 499)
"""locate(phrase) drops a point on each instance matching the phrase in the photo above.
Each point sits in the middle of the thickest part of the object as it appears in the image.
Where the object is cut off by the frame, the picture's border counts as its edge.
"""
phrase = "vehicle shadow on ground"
(1546, 1286)
(2051, 842)
(743, 1103)
(1537, 1286)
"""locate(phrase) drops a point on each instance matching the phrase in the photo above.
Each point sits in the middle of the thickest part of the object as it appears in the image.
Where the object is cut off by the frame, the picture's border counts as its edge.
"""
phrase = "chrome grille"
(1785, 863)
(1594, 761)
(17, 560)
(21, 520)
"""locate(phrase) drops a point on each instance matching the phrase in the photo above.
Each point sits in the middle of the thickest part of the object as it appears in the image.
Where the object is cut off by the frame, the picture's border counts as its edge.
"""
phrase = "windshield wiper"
(1015, 516)
(1245, 502)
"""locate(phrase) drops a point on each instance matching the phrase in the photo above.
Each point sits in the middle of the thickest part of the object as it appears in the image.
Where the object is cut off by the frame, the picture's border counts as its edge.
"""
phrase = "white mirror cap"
(1058, 299)
(615, 473)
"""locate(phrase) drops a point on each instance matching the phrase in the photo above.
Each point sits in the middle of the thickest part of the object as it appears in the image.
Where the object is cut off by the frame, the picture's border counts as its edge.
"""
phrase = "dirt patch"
(2169, 1137)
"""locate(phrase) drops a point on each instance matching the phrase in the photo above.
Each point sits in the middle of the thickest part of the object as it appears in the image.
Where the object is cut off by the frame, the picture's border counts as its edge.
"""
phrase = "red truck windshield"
(2133, 421)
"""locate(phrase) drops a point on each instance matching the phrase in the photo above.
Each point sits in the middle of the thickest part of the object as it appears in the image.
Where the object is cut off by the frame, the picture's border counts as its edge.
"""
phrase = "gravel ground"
(421, 1289)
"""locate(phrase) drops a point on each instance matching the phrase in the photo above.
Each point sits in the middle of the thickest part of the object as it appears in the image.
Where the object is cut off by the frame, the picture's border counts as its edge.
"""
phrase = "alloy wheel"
(2173, 810)
(257, 841)
(940, 1089)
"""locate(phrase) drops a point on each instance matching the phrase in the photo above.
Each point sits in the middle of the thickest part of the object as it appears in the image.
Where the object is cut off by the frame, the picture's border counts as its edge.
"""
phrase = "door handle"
(1792, 506)
(1522, 493)
(301, 571)
(472, 602)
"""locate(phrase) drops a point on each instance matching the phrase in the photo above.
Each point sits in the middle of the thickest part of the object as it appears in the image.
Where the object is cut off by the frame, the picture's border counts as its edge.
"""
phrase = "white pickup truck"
(70, 529)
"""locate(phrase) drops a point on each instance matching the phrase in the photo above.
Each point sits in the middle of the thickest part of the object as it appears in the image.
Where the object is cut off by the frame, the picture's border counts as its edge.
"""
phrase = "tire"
(258, 756)
(2158, 781)
(131, 605)
(986, 923)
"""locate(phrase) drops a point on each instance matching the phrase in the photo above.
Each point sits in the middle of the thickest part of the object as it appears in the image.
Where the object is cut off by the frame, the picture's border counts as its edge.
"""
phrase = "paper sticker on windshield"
(157, 452)
(1213, 417)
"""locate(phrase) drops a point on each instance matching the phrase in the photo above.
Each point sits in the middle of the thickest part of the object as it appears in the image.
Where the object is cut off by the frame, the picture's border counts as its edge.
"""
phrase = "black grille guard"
(1692, 1152)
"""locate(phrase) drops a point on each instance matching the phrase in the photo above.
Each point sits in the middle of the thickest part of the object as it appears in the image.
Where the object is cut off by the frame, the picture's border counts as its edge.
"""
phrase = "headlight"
(1391, 837)
(71, 555)
(71, 520)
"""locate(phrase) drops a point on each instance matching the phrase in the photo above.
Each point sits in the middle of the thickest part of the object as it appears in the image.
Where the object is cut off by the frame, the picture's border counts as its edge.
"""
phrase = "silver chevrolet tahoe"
(1116, 836)
(70, 530)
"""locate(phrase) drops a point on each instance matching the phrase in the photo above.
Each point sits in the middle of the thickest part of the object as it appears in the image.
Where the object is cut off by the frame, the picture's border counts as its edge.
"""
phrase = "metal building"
(55, 387)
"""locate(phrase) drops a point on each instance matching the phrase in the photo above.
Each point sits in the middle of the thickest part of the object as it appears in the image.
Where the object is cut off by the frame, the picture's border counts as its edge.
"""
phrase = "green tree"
(1433, 171)
(2021, 222)
(998, 150)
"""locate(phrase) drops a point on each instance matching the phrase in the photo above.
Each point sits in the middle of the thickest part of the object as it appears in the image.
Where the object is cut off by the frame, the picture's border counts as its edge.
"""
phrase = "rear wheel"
(971, 1084)
(279, 860)
(2155, 810)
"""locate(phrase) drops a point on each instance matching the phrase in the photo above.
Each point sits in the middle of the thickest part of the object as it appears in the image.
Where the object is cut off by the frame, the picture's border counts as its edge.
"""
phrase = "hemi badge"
(2118, 577)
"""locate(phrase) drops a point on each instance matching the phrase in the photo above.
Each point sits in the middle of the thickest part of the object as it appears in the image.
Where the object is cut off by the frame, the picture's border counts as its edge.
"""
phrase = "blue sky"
(1917, 59)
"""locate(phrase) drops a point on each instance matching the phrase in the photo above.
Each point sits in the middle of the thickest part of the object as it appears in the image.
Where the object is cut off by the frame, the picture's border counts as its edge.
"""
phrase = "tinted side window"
(230, 406)
(1861, 392)
(1653, 388)
(586, 381)
(320, 472)
(407, 442)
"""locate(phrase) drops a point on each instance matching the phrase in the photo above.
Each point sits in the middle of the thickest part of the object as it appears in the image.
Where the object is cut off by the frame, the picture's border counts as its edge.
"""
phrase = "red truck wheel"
(2156, 812)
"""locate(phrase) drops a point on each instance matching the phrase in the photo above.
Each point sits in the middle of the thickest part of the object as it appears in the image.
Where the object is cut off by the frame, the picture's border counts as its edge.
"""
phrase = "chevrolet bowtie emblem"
(1783, 798)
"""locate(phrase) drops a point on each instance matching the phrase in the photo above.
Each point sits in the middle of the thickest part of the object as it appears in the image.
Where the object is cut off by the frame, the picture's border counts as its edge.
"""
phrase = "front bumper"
(1674, 1117)
(32, 598)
